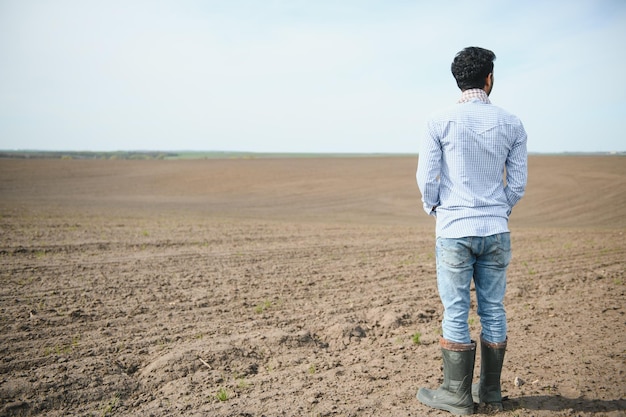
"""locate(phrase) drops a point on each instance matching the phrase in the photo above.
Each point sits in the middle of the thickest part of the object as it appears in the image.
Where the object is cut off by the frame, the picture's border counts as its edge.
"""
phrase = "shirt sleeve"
(428, 169)
(517, 169)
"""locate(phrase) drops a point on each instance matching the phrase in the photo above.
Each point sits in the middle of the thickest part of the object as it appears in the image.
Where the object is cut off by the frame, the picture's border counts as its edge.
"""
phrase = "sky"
(354, 76)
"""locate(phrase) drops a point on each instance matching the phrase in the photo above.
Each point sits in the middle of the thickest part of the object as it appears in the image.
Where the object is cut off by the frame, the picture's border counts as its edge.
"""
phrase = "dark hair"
(471, 67)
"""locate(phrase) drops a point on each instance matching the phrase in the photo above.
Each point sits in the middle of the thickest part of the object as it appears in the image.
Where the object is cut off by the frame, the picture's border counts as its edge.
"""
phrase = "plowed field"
(290, 287)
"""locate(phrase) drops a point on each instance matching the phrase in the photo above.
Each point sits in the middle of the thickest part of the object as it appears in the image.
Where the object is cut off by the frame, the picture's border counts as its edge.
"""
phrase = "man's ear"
(489, 80)
(488, 83)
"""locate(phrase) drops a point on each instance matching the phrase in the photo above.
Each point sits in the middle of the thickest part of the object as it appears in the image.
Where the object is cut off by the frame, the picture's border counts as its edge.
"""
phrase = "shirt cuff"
(430, 209)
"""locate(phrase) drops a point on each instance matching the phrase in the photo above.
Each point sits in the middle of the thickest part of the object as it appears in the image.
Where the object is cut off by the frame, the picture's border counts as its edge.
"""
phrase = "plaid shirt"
(461, 165)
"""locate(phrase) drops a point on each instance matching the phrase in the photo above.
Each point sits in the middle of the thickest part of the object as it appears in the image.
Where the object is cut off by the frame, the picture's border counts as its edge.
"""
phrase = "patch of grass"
(262, 306)
(108, 408)
(162, 343)
(551, 389)
(416, 338)
(75, 340)
(312, 369)
(412, 260)
(25, 281)
(222, 395)
(529, 269)
(58, 350)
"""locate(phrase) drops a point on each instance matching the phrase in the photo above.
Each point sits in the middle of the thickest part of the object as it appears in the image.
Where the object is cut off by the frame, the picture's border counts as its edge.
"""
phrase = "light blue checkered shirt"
(462, 163)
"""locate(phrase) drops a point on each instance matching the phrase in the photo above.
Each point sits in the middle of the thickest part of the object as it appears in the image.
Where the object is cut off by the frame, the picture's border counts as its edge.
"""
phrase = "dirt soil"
(291, 287)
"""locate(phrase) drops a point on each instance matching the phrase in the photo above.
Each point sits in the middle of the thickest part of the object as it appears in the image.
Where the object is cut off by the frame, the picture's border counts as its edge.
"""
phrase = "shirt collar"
(474, 94)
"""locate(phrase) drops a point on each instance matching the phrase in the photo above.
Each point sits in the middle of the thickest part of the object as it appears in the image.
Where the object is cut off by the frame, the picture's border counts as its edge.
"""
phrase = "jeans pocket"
(453, 252)
(502, 255)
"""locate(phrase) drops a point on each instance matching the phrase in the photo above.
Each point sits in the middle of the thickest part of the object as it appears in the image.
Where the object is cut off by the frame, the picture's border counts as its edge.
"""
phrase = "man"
(464, 155)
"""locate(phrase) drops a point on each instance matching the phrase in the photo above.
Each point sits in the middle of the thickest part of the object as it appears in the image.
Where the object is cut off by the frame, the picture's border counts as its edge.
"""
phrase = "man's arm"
(516, 170)
(428, 170)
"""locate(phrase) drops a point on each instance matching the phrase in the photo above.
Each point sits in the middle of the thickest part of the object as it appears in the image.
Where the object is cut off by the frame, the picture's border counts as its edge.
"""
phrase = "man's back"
(461, 167)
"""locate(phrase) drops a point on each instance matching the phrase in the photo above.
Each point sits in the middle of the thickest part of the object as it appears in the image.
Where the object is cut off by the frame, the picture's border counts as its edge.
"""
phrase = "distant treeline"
(87, 155)
(138, 155)
(146, 155)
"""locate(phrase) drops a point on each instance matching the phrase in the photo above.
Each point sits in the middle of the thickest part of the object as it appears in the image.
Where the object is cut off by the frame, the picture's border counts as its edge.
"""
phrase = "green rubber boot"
(454, 395)
(488, 390)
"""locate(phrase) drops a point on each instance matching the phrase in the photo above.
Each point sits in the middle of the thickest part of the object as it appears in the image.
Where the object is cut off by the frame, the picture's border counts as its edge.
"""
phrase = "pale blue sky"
(300, 76)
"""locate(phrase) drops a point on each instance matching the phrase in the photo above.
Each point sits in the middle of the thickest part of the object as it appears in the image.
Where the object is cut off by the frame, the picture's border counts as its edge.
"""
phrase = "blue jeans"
(458, 261)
